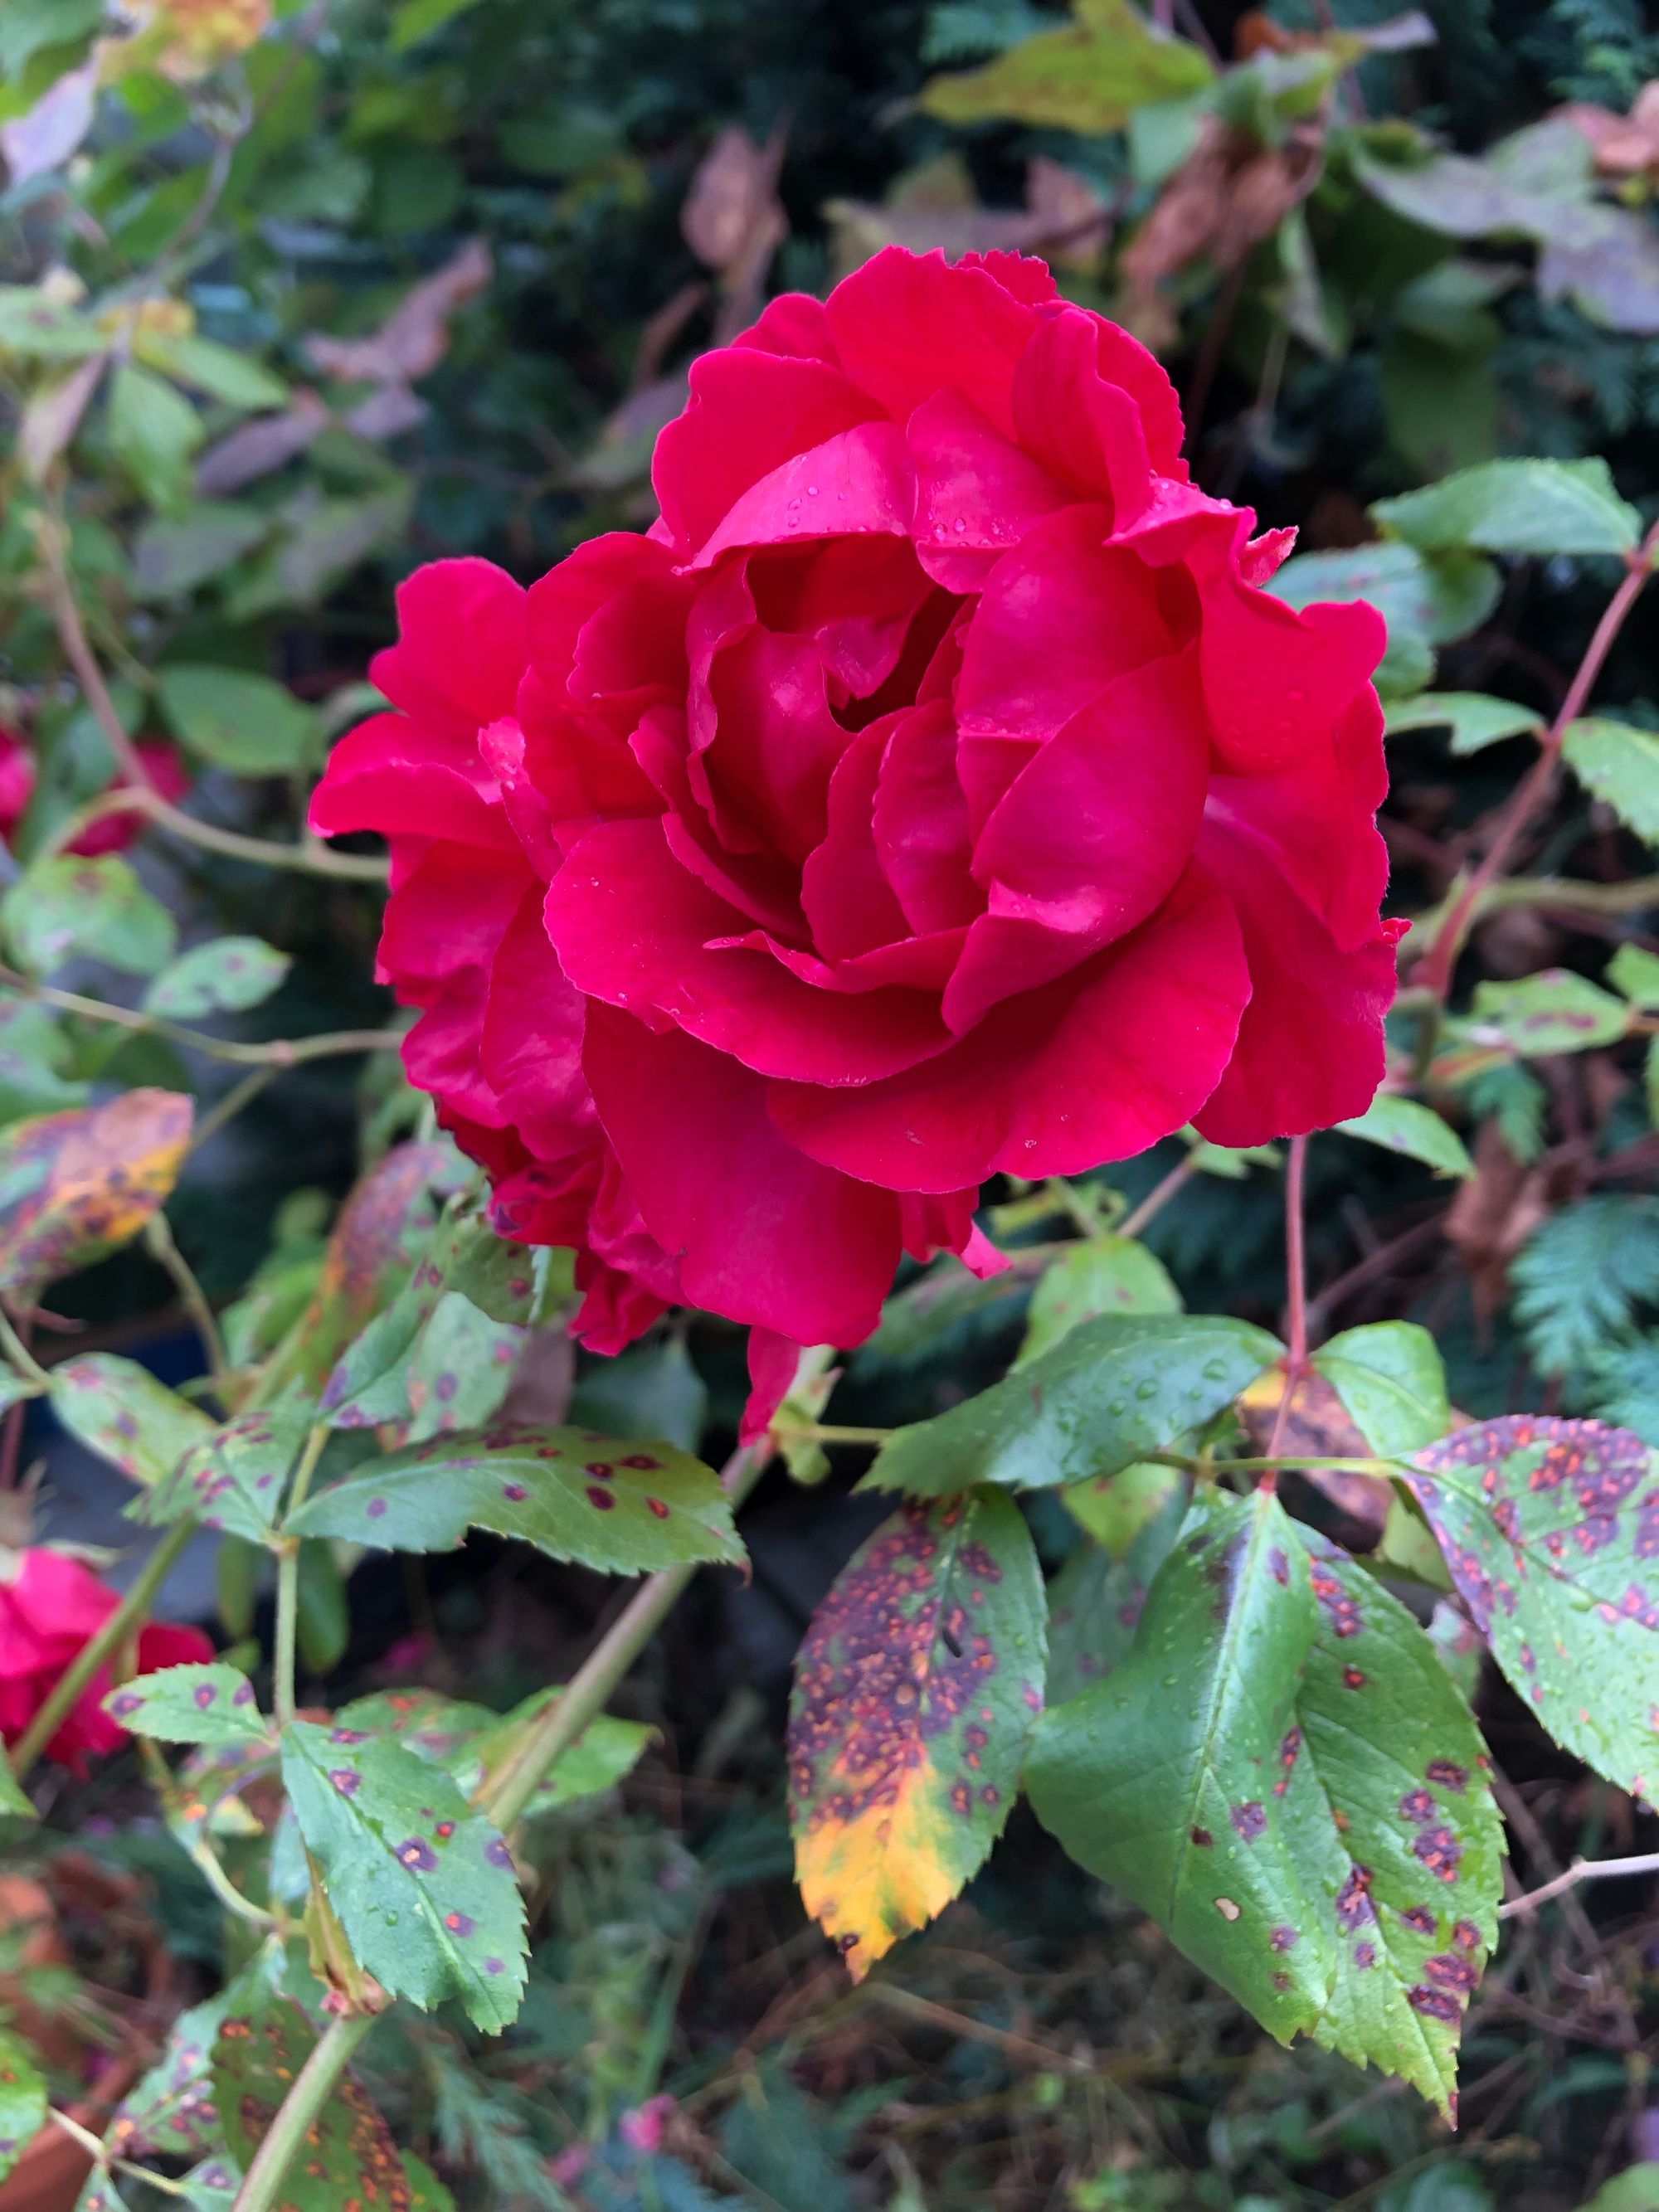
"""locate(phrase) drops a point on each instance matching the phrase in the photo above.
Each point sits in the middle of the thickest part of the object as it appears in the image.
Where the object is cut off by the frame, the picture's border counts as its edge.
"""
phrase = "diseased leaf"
(225, 975)
(77, 1185)
(234, 1478)
(1392, 1383)
(425, 1722)
(376, 1242)
(1089, 75)
(1393, 1830)
(22, 2100)
(614, 1505)
(99, 2194)
(195, 1703)
(64, 906)
(1475, 720)
(348, 2152)
(119, 1410)
(1095, 1601)
(916, 1690)
(1550, 1529)
(1107, 1394)
(1106, 1274)
(1167, 1778)
(1555, 1010)
(1515, 507)
(469, 1741)
(236, 720)
(1619, 763)
(1401, 1124)
(422, 1885)
(170, 2113)
(212, 2185)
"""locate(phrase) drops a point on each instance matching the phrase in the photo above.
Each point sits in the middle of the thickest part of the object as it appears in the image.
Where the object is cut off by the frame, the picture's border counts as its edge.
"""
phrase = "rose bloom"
(115, 832)
(933, 792)
(50, 1607)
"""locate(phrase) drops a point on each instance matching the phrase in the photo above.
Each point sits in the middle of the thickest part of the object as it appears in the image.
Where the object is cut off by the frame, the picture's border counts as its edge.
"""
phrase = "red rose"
(50, 1607)
(16, 779)
(933, 792)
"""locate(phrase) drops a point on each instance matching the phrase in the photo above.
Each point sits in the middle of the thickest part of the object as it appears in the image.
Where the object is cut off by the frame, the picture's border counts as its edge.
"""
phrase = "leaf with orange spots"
(1549, 1529)
(916, 1690)
(75, 1186)
(422, 1885)
(348, 2155)
(621, 1506)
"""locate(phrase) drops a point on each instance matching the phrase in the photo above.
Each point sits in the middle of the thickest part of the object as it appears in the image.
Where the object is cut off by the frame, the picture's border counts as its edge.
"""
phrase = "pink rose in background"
(50, 1607)
(933, 792)
(115, 832)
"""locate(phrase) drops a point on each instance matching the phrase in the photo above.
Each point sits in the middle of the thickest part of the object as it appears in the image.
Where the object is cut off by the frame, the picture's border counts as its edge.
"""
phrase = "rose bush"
(933, 791)
(51, 1605)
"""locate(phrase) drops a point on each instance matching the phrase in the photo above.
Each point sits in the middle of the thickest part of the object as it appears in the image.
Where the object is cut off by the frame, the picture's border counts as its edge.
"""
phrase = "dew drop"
(1146, 1387)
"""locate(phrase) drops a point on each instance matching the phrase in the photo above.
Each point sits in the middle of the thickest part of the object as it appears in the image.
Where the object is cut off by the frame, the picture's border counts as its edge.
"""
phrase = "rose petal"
(460, 647)
(907, 326)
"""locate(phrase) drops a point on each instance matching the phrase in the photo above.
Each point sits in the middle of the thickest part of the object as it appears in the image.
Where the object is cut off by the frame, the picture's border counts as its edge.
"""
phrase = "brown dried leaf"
(935, 205)
(1624, 145)
(412, 340)
(1228, 195)
(74, 1186)
(259, 446)
(49, 133)
(1318, 1425)
(733, 195)
(53, 415)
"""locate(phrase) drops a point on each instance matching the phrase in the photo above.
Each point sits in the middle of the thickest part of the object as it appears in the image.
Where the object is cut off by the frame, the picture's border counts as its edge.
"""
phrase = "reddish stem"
(1435, 969)
(1296, 1303)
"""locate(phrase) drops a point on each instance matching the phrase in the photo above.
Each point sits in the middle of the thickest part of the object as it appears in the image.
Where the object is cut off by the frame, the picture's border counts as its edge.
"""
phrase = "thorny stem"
(1439, 958)
(126, 1617)
(1296, 1273)
(141, 795)
(287, 1584)
(277, 1053)
(309, 2091)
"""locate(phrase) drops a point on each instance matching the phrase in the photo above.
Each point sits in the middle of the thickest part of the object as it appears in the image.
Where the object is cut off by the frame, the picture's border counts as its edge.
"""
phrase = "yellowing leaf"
(1089, 75)
(916, 1692)
(74, 1185)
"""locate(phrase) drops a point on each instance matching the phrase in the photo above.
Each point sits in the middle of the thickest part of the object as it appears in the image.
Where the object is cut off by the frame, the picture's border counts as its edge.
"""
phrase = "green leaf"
(225, 975)
(1115, 1508)
(191, 1704)
(234, 1478)
(606, 1750)
(1401, 1124)
(1392, 1383)
(1515, 507)
(1634, 973)
(1394, 1831)
(22, 2100)
(649, 1390)
(1106, 1274)
(1095, 1601)
(1474, 721)
(916, 1689)
(1620, 764)
(169, 2113)
(172, 554)
(321, 544)
(1089, 76)
(37, 327)
(236, 719)
(415, 20)
(423, 1885)
(153, 431)
(1550, 1529)
(1554, 1011)
(613, 1505)
(219, 370)
(119, 1410)
(1162, 1779)
(425, 2192)
(1634, 2190)
(348, 2152)
(99, 2194)
(34, 1061)
(212, 2185)
(1109, 1392)
(1424, 600)
(63, 907)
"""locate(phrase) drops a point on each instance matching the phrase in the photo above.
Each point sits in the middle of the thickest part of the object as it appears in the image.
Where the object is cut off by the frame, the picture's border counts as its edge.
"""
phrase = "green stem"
(158, 1238)
(278, 1053)
(309, 2091)
(127, 1615)
(20, 1355)
(505, 1794)
(287, 1584)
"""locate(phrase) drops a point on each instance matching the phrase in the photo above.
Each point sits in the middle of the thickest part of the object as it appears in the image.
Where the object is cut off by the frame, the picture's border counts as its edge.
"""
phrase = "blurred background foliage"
(293, 297)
